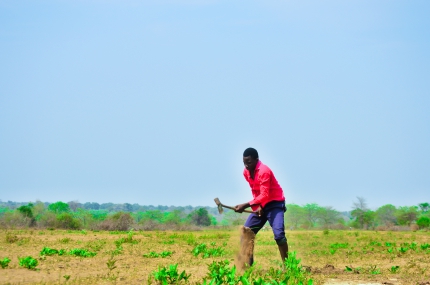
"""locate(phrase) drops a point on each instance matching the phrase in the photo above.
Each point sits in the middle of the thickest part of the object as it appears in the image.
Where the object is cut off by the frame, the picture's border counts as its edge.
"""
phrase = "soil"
(246, 252)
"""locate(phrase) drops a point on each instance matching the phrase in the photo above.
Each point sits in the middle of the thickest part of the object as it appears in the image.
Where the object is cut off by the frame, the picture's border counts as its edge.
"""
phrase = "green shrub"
(28, 262)
(169, 275)
(95, 245)
(5, 262)
(206, 251)
(221, 273)
(26, 210)
(162, 254)
(81, 252)
(66, 221)
(50, 251)
(423, 222)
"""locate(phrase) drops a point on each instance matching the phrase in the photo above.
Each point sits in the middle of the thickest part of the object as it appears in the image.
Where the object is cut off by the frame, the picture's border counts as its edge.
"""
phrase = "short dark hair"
(250, 152)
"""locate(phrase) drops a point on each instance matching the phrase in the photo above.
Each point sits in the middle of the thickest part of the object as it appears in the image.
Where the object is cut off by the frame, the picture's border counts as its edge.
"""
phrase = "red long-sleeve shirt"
(265, 188)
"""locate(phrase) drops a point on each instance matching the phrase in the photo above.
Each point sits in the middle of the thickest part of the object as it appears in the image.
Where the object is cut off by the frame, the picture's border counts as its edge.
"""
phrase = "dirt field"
(335, 257)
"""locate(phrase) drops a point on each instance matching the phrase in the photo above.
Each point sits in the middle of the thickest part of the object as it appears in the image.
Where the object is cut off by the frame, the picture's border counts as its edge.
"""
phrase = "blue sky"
(153, 102)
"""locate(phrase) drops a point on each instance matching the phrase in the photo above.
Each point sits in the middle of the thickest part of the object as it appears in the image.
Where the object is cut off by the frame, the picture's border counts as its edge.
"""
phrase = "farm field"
(101, 257)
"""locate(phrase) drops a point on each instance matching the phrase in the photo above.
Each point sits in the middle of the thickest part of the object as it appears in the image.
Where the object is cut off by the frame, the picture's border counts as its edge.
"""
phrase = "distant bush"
(66, 221)
(47, 220)
(423, 222)
(14, 219)
(200, 217)
(414, 227)
(120, 221)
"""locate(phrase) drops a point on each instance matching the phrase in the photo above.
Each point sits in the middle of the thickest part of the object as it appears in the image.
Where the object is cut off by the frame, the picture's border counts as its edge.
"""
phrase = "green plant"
(394, 269)
(111, 264)
(162, 254)
(170, 275)
(65, 240)
(5, 262)
(352, 269)
(206, 252)
(50, 251)
(28, 262)
(403, 249)
(339, 245)
(374, 270)
(190, 239)
(127, 239)
(67, 277)
(95, 245)
(221, 273)
(81, 252)
(424, 246)
(373, 243)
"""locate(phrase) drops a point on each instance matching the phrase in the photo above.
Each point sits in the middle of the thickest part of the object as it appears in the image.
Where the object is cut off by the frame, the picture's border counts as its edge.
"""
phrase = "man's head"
(250, 158)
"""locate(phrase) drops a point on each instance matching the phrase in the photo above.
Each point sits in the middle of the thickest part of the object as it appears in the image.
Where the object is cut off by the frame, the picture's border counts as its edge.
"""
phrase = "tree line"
(386, 217)
(110, 216)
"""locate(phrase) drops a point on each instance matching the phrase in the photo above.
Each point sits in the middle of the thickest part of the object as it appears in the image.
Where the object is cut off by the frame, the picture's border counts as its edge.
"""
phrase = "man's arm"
(239, 208)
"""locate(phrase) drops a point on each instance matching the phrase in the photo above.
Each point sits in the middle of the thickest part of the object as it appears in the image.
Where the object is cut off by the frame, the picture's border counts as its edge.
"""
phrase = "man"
(268, 203)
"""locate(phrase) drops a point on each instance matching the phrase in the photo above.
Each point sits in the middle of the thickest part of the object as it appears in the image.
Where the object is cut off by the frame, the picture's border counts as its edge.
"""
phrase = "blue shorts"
(274, 213)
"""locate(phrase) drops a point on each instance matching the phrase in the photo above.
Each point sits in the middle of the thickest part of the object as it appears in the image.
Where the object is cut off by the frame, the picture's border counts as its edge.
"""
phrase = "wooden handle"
(232, 208)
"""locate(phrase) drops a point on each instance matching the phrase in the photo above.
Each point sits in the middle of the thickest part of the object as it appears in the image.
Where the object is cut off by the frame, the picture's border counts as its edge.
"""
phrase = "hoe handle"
(232, 208)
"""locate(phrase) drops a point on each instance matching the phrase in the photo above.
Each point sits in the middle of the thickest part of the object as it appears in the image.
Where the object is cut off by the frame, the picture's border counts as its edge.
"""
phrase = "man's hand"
(239, 208)
(259, 211)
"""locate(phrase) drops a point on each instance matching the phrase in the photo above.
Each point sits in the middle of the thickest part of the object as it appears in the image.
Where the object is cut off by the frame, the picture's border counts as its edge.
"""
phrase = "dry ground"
(364, 252)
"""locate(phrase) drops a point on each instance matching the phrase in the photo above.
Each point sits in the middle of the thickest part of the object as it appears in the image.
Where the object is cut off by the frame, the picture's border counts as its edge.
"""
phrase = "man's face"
(250, 163)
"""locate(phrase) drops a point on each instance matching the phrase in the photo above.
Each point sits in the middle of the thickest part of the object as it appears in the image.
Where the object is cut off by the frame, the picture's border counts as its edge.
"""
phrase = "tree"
(369, 219)
(311, 213)
(27, 212)
(128, 207)
(424, 207)
(359, 210)
(232, 218)
(151, 215)
(173, 218)
(200, 217)
(73, 205)
(85, 217)
(294, 215)
(59, 207)
(328, 216)
(386, 215)
(423, 222)
(38, 209)
(406, 215)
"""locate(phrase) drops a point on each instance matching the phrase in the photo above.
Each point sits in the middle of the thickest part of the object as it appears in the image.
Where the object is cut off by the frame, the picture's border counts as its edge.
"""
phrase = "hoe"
(221, 205)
